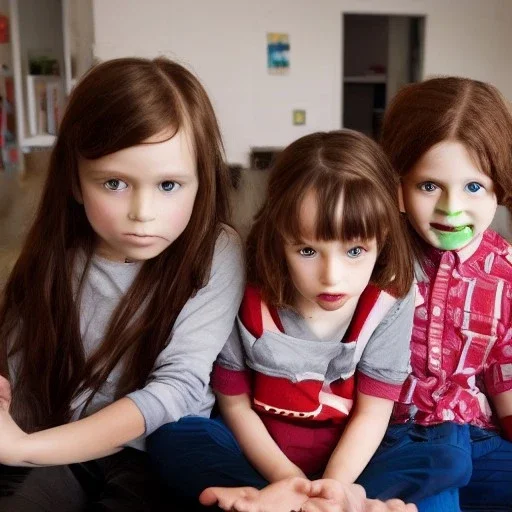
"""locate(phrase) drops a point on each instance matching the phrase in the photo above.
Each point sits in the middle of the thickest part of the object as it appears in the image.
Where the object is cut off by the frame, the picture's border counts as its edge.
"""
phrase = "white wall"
(224, 42)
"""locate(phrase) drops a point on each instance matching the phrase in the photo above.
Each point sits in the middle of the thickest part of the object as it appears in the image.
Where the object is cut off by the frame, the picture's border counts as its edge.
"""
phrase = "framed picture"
(299, 117)
(278, 53)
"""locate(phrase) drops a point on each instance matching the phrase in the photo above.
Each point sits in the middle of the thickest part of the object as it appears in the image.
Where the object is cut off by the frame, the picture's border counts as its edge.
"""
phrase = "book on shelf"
(45, 95)
(8, 145)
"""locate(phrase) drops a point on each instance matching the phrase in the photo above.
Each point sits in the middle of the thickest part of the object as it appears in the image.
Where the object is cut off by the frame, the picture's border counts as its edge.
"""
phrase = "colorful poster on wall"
(278, 53)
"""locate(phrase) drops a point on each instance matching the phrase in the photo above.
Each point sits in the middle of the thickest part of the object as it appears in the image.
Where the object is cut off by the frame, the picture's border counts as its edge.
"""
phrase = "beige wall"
(224, 42)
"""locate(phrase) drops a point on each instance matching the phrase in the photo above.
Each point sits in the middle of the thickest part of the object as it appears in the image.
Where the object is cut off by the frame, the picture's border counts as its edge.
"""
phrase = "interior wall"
(224, 42)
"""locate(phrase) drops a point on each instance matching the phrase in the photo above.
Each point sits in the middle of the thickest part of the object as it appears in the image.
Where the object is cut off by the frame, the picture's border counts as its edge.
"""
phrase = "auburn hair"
(118, 104)
(473, 113)
(339, 165)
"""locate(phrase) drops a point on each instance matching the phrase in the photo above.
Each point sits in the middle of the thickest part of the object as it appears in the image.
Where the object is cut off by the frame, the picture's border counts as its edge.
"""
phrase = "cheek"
(300, 274)
(420, 208)
(100, 211)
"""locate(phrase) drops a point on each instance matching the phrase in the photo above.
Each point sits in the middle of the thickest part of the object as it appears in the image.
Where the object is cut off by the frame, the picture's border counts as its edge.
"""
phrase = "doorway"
(381, 53)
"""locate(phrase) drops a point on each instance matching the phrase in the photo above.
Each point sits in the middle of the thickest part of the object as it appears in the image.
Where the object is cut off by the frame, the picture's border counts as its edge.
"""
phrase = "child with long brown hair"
(306, 383)
(450, 142)
(125, 291)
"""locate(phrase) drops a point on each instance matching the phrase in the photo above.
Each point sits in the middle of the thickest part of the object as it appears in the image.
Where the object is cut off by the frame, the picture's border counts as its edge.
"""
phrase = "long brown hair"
(474, 113)
(118, 104)
(339, 164)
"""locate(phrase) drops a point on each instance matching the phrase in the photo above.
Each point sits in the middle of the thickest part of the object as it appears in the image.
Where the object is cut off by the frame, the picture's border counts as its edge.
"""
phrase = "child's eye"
(473, 187)
(355, 252)
(307, 252)
(168, 186)
(115, 184)
(427, 186)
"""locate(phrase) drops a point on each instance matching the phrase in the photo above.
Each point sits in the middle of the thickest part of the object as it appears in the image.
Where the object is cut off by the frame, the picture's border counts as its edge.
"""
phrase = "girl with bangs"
(306, 382)
(125, 291)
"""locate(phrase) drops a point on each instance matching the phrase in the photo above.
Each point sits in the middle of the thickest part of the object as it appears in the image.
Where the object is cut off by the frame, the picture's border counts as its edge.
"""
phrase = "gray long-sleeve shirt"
(179, 382)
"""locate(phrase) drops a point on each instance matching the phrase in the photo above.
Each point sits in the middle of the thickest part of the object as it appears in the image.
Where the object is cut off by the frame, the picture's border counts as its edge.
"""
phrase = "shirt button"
(434, 362)
(435, 350)
(444, 266)
(436, 311)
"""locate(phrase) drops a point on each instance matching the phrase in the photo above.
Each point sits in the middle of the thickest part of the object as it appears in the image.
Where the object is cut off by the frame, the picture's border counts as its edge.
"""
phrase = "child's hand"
(329, 495)
(389, 506)
(283, 496)
(11, 435)
(5, 394)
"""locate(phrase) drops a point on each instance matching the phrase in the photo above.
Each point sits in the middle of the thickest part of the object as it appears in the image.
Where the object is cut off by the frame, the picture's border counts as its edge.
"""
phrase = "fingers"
(328, 488)
(389, 506)
(302, 485)
(5, 393)
(208, 496)
(226, 497)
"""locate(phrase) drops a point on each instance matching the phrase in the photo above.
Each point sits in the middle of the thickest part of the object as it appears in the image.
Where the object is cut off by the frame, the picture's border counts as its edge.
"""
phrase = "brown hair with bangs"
(118, 104)
(474, 113)
(335, 165)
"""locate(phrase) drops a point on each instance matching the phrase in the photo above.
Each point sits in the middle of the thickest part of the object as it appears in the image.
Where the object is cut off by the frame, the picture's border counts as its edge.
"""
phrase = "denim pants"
(442, 468)
(433, 467)
(195, 453)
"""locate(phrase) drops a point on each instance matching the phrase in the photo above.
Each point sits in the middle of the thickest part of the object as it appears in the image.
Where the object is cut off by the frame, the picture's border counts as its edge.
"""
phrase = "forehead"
(308, 214)
(162, 154)
(448, 161)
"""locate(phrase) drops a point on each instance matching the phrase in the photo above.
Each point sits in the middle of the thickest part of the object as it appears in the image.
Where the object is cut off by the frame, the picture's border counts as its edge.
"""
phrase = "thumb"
(208, 496)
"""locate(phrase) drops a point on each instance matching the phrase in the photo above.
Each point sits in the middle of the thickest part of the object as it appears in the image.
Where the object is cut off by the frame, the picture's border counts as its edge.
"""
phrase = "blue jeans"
(433, 467)
(440, 466)
(195, 453)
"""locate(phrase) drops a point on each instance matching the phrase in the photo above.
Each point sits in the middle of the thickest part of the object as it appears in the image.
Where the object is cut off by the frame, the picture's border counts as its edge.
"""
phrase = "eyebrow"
(120, 174)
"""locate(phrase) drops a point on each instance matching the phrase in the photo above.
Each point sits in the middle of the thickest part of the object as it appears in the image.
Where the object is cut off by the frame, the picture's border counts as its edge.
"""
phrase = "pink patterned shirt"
(461, 343)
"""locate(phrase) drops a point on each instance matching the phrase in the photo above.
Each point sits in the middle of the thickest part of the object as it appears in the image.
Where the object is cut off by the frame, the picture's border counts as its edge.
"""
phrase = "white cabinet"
(60, 31)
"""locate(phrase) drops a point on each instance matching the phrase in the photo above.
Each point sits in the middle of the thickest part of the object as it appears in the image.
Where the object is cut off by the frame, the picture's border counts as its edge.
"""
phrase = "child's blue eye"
(115, 184)
(307, 252)
(427, 186)
(168, 186)
(473, 187)
(355, 252)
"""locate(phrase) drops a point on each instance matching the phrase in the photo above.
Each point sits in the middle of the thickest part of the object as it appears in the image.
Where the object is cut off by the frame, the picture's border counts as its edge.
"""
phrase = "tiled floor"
(18, 201)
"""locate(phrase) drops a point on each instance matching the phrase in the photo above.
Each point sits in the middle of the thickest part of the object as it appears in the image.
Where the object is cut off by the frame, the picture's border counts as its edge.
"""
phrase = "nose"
(142, 207)
(450, 204)
(332, 271)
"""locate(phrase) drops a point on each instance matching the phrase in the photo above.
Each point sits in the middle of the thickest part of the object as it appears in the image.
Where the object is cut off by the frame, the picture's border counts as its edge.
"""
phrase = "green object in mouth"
(451, 240)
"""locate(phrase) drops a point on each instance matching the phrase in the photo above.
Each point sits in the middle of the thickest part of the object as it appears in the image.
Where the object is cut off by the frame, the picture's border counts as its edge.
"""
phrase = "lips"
(447, 228)
(329, 297)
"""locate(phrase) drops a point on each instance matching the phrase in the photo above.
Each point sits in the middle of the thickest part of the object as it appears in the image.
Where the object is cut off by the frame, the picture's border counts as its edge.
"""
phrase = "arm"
(503, 405)
(361, 438)
(101, 434)
(177, 386)
(254, 440)
(381, 371)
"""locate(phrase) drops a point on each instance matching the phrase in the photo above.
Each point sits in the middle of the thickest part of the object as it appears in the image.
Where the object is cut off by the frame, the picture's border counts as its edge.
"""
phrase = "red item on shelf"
(4, 28)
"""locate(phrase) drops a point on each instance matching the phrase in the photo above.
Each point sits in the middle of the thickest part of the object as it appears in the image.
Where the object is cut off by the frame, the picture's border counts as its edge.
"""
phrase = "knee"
(175, 436)
(452, 465)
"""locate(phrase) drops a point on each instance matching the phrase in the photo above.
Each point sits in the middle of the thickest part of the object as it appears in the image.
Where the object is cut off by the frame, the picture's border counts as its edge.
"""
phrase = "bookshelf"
(55, 31)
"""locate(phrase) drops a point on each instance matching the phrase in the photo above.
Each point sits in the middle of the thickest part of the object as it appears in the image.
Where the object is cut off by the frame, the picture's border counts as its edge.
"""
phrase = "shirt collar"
(434, 255)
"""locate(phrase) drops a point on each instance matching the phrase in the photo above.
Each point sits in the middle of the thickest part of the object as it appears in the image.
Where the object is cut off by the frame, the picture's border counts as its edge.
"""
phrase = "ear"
(401, 199)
